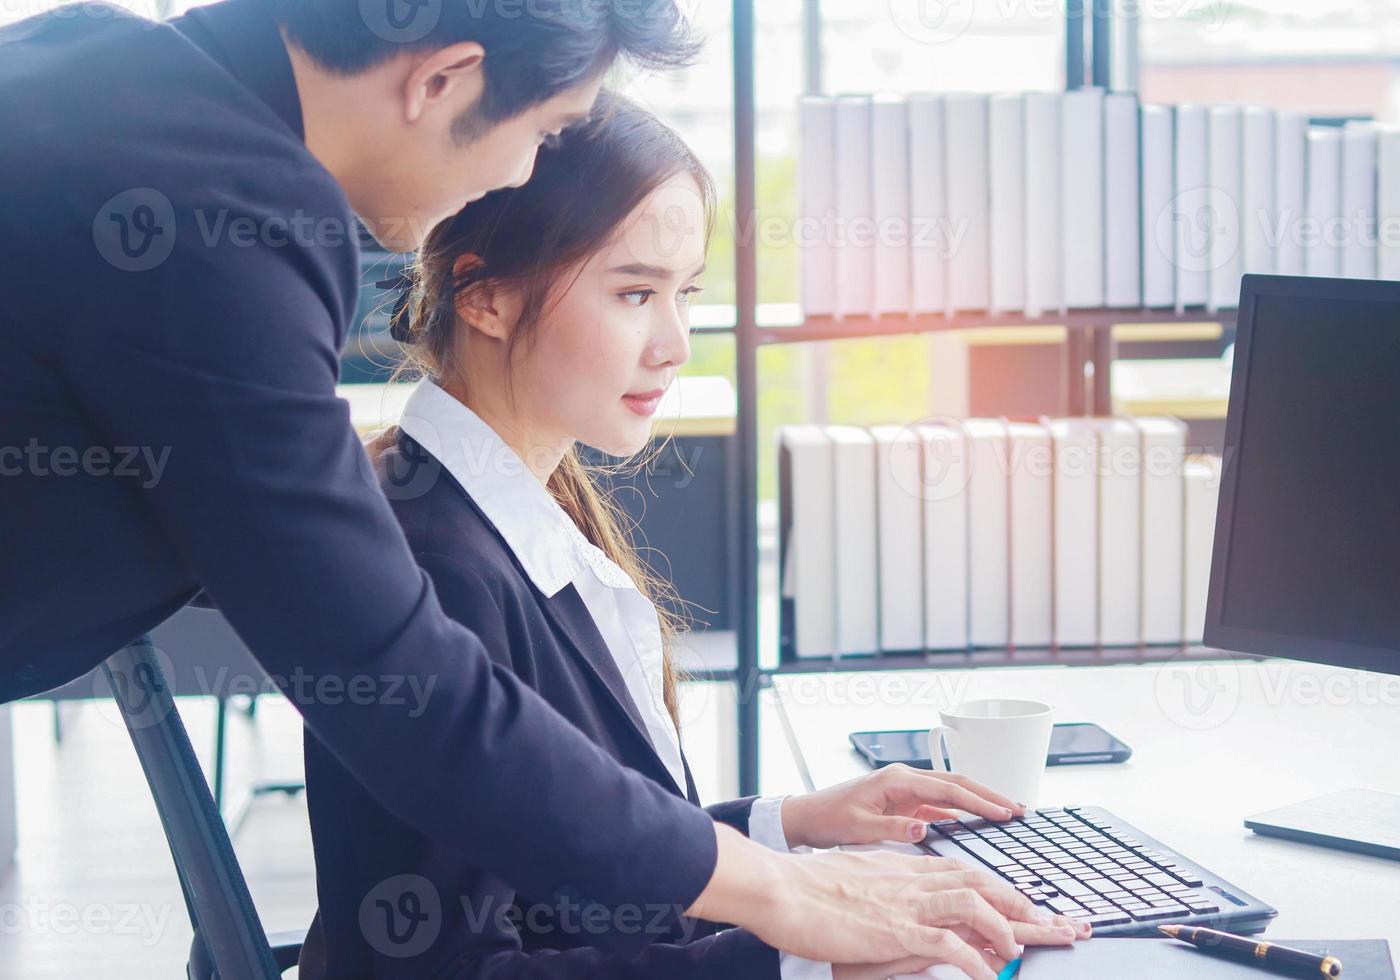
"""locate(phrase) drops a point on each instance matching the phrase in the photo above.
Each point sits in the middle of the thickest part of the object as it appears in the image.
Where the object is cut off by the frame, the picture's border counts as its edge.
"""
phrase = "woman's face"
(610, 345)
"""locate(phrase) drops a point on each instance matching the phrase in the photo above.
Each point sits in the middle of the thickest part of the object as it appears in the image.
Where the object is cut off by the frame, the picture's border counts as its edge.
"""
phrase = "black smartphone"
(1072, 743)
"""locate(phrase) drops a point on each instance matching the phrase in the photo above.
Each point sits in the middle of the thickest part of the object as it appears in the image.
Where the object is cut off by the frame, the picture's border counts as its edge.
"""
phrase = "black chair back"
(229, 939)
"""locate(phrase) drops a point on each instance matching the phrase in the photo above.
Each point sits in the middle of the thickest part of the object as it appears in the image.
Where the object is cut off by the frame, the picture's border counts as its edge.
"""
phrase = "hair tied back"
(399, 319)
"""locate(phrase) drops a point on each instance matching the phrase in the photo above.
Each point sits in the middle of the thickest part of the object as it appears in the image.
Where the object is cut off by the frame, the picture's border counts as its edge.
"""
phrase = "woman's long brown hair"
(526, 239)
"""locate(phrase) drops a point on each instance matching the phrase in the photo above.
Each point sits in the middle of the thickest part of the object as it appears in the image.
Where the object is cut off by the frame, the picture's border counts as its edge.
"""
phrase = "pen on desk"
(1281, 959)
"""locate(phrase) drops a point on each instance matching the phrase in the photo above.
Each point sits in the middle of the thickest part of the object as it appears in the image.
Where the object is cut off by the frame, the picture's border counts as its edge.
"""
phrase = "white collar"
(533, 524)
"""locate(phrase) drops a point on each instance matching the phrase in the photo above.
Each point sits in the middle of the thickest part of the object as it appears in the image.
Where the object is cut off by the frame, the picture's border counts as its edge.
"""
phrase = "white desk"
(1212, 743)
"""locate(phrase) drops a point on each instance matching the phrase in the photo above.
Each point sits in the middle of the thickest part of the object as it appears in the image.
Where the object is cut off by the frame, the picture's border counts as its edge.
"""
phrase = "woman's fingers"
(965, 910)
(912, 786)
(949, 790)
(946, 946)
(1030, 923)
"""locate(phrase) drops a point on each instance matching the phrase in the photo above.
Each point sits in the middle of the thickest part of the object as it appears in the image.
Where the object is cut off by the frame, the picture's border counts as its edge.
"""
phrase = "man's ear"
(451, 75)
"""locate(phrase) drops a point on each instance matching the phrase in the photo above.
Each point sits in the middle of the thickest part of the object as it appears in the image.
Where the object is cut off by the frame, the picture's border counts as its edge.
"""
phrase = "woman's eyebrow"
(652, 271)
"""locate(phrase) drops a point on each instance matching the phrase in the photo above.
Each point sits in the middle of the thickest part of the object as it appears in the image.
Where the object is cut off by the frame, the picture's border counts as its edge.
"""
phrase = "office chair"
(229, 940)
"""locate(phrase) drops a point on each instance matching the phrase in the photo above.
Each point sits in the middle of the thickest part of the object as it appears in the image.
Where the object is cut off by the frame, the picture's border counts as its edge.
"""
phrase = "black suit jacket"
(177, 274)
(395, 904)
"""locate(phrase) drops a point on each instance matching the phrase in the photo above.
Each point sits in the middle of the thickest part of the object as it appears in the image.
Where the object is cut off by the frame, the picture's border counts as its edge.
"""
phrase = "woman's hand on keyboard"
(894, 803)
(903, 913)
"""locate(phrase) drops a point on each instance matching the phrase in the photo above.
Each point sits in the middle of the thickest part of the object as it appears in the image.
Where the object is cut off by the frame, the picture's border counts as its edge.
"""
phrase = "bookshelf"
(1090, 340)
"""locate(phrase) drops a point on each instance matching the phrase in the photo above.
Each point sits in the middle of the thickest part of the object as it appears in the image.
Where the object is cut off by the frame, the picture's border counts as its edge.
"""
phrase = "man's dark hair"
(535, 49)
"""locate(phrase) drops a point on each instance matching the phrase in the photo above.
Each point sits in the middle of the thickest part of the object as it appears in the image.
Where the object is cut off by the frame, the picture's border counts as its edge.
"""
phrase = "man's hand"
(893, 803)
(896, 910)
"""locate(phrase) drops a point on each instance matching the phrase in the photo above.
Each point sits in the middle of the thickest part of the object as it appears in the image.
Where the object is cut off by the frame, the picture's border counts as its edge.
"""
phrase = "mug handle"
(937, 735)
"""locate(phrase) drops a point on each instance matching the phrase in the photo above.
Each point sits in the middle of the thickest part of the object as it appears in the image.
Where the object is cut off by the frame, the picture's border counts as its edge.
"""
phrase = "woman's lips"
(644, 403)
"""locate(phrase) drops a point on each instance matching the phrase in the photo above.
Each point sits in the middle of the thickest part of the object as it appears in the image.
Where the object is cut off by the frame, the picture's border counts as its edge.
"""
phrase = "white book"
(928, 204)
(1032, 463)
(1122, 213)
(1201, 493)
(1044, 270)
(1076, 511)
(988, 533)
(1118, 458)
(899, 510)
(1082, 183)
(1158, 232)
(857, 566)
(1322, 248)
(807, 539)
(965, 166)
(817, 189)
(889, 126)
(1192, 222)
(1008, 202)
(1163, 458)
(855, 208)
(1388, 202)
(1359, 200)
(1224, 198)
(1290, 190)
(944, 494)
(1257, 201)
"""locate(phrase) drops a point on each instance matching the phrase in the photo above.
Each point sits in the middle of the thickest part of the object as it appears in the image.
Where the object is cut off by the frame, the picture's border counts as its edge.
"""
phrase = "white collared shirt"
(555, 554)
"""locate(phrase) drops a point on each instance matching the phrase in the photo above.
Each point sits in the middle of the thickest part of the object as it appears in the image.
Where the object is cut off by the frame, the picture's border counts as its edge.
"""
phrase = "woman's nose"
(671, 342)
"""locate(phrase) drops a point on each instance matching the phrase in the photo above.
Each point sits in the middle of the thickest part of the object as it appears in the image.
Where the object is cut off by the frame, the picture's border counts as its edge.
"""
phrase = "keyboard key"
(1113, 918)
(1157, 912)
(983, 851)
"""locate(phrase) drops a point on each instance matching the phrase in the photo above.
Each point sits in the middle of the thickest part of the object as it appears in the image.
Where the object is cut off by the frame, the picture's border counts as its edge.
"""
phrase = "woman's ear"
(486, 308)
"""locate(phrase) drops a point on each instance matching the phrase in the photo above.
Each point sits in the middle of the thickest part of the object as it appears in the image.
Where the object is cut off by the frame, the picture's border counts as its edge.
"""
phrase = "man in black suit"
(179, 269)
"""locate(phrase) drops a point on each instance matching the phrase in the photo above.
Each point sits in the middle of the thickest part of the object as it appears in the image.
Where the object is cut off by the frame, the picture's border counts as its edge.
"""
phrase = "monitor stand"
(1361, 820)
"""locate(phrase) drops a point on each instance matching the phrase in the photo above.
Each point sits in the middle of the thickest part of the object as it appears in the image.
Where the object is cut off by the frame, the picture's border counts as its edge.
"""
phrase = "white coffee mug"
(999, 742)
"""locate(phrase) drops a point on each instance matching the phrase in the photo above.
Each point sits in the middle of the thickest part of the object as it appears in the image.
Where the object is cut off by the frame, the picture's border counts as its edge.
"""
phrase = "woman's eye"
(638, 297)
(688, 292)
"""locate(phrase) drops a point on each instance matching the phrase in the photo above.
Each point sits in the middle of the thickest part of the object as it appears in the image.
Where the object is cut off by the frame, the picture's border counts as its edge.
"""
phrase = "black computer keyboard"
(1087, 864)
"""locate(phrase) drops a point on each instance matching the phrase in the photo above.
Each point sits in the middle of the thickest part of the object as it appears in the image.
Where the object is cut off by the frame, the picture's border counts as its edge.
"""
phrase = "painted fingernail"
(917, 831)
(1085, 929)
(1006, 814)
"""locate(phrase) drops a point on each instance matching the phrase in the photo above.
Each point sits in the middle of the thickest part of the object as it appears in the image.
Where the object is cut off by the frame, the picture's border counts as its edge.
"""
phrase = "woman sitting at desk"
(542, 317)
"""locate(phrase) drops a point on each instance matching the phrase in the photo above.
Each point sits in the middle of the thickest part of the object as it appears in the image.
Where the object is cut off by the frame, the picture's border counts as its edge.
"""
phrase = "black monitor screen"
(1314, 531)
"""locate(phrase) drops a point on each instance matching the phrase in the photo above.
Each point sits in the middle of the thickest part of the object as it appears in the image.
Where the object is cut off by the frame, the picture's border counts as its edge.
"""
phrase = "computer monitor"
(1306, 562)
